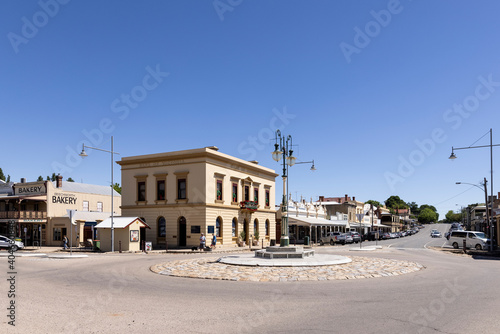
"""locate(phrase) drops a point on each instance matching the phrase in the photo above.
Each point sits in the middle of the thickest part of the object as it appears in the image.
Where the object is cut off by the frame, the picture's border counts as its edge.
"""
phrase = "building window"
(235, 192)
(267, 227)
(160, 190)
(58, 233)
(247, 193)
(181, 189)
(256, 195)
(99, 206)
(267, 197)
(219, 190)
(233, 227)
(36, 207)
(255, 227)
(218, 227)
(85, 206)
(141, 191)
(162, 227)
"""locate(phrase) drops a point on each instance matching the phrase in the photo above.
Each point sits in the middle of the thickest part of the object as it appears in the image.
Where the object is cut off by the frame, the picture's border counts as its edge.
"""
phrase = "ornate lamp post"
(283, 150)
(83, 154)
(453, 157)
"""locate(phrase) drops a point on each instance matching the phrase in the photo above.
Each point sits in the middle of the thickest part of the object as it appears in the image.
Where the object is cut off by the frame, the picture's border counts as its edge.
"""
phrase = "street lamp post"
(283, 150)
(486, 203)
(83, 154)
(453, 156)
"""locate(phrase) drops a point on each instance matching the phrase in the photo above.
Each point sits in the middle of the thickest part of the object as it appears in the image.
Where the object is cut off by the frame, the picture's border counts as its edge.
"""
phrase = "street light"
(486, 203)
(283, 150)
(453, 157)
(83, 154)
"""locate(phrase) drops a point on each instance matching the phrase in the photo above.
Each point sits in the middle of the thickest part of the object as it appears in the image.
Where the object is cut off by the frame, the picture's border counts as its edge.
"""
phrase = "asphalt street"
(111, 293)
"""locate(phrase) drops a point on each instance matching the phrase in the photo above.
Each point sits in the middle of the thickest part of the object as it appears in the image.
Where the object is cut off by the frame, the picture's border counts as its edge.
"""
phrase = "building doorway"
(142, 238)
(246, 229)
(182, 232)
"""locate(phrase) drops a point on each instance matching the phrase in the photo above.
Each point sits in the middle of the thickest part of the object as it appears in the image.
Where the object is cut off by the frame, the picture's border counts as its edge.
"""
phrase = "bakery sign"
(30, 188)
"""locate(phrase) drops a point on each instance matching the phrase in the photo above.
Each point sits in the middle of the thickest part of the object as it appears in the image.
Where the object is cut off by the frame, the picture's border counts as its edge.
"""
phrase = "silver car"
(9, 243)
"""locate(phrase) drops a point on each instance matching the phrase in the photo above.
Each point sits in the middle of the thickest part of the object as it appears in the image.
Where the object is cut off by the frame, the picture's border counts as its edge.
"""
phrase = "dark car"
(385, 236)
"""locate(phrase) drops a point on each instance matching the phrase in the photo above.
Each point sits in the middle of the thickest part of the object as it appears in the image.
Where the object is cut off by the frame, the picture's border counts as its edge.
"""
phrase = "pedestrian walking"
(65, 242)
(214, 241)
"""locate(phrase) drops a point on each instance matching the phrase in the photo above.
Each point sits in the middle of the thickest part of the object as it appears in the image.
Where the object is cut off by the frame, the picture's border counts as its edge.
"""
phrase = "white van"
(473, 239)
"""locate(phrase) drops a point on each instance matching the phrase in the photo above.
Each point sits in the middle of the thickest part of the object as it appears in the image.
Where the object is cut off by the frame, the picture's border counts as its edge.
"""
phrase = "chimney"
(345, 198)
(322, 198)
(353, 198)
(23, 180)
(59, 180)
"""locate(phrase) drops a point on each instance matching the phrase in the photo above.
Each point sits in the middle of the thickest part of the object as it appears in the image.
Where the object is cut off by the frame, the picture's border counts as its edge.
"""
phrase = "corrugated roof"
(90, 216)
(85, 188)
(119, 222)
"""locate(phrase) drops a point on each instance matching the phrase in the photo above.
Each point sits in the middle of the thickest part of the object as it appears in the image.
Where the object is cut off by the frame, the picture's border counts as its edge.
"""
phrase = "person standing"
(203, 241)
(65, 242)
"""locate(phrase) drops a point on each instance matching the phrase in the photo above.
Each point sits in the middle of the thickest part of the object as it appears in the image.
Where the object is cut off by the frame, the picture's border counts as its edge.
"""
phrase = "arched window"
(255, 226)
(234, 227)
(218, 227)
(162, 226)
(267, 227)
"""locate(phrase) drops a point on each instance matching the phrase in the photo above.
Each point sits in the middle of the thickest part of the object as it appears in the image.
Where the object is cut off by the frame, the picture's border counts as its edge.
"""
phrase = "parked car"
(385, 236)
(333, 238)
(348, 238)
(8, 243)
(355, 236)
(473, 239)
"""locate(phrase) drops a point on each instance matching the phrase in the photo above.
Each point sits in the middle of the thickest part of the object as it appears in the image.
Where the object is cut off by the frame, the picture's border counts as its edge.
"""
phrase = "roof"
(315, 221)
(120, 222)
(85, 188)
(90, 216)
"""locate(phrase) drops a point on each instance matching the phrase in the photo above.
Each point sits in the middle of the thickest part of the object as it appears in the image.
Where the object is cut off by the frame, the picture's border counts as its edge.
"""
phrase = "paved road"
(118, 293)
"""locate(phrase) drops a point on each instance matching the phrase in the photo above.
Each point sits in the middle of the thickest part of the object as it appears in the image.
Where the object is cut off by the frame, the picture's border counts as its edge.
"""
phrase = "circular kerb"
(317, 260)
(24, 254)
(67, 256)
(362, 249)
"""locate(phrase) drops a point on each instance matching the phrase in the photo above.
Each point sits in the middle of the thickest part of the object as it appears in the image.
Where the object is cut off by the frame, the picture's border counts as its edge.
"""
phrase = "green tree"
(2, 176)
(40, 178)
(413, 208)
(427, 216)
(53, 177)
(48, 178)
(375, 204)
(8, 179)
(452, 217)
(394, 202)
(70, 180)
(117, 188)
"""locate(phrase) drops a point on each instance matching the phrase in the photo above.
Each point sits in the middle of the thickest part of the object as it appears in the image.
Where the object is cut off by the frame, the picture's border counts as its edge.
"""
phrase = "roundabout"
(357, 268)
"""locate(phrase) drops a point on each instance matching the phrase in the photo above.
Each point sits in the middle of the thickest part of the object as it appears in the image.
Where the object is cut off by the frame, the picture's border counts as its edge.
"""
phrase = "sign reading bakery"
(64, 198)
(30, 188)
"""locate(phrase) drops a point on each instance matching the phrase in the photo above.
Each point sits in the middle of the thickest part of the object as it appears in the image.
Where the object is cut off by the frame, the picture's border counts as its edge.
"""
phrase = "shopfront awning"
(307, 221)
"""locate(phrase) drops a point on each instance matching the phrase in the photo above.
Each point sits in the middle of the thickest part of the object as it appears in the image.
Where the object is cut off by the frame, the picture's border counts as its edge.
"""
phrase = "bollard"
(119, 246)
(166, 245)
(465, 246)
(262, 243)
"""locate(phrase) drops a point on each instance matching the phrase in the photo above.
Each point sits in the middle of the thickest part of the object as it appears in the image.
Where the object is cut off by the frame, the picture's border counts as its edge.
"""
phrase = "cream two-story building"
(185, 193)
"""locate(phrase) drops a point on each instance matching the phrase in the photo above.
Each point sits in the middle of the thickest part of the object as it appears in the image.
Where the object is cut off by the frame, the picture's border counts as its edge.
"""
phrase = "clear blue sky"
(356, 83)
